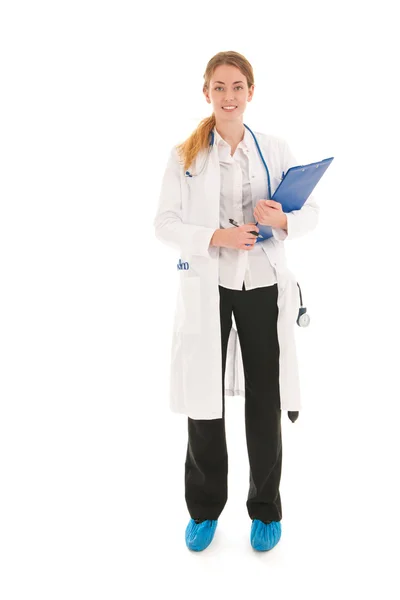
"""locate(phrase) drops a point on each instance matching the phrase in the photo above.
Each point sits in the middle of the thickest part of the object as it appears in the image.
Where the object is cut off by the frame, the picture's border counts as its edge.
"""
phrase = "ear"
(207, 96)
(251, 93)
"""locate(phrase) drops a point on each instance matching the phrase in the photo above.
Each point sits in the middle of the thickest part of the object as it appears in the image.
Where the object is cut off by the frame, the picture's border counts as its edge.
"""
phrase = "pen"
(237, 225)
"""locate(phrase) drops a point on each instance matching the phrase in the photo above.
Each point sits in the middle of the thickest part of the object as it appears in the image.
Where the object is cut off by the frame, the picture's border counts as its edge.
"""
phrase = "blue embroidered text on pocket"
(182, 265)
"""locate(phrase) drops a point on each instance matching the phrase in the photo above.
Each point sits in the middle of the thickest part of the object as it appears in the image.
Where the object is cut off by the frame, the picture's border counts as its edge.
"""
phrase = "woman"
(214, 176)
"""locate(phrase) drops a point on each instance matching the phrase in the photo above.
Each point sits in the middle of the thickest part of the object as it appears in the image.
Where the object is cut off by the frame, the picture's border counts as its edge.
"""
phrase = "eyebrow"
(224, 83)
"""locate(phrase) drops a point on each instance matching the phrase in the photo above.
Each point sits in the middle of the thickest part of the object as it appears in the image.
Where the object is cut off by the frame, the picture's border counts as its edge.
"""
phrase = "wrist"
(217, 237)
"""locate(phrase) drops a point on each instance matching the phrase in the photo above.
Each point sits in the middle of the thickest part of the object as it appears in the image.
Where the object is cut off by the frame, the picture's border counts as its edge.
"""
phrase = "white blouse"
(236, 202)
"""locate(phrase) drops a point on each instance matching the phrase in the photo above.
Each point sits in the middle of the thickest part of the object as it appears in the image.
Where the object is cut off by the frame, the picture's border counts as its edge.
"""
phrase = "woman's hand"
(269, 212)
(238, 237)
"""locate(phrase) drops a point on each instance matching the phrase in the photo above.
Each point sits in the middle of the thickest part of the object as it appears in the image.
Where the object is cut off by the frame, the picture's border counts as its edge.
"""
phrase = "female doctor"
(214, 190)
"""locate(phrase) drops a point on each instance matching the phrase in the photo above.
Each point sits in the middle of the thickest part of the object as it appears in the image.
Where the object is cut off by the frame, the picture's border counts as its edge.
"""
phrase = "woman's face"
(228, 87)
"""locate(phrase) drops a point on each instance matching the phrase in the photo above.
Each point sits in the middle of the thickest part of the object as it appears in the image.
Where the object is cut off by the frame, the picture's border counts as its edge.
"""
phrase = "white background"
(93, 97)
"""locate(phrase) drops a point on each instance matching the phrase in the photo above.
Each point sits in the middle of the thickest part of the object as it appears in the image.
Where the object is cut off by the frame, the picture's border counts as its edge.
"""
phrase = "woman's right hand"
(238, 237)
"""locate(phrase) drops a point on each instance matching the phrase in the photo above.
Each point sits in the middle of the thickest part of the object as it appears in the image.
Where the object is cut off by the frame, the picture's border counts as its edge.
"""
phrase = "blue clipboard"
(295, 188)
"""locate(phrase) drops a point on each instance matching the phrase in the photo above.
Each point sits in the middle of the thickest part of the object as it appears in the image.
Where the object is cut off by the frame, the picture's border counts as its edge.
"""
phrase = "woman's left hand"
(269, 212)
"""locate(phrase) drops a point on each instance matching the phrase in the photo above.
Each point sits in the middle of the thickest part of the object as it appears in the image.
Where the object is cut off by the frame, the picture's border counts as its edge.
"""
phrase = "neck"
(232, 132)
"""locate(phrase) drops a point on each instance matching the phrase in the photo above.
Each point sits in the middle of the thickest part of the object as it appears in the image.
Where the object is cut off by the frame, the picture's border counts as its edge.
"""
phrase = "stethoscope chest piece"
(303, 320)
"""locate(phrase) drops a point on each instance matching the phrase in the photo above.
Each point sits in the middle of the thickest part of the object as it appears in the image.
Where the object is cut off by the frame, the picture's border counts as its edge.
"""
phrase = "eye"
(220, 88)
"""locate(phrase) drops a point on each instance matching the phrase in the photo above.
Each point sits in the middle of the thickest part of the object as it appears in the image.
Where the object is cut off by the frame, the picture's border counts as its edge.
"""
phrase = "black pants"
(206, 466)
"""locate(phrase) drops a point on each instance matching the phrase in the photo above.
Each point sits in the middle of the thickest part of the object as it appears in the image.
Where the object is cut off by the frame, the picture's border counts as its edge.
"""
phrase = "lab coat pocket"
(188, 310)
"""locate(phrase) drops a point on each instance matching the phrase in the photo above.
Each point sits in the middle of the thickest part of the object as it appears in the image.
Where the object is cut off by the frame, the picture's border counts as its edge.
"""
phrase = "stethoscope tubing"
(188, 174)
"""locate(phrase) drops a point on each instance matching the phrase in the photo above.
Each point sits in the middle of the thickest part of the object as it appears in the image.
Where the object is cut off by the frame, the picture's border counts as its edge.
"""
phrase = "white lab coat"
(187, 216)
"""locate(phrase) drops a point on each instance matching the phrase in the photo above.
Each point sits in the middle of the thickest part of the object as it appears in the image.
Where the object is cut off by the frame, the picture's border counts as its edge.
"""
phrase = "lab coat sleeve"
(168, 224)
(299, 222)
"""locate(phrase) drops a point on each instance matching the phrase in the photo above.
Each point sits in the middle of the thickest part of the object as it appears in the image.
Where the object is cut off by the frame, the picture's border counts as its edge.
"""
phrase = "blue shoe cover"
(199, 535)
(264, 537)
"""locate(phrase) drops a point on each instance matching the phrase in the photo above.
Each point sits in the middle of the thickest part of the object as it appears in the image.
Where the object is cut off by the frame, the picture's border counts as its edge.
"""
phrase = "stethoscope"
(303, 319)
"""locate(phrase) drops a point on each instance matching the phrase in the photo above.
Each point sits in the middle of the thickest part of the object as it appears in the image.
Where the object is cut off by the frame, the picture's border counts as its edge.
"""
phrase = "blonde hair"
(199, 139)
